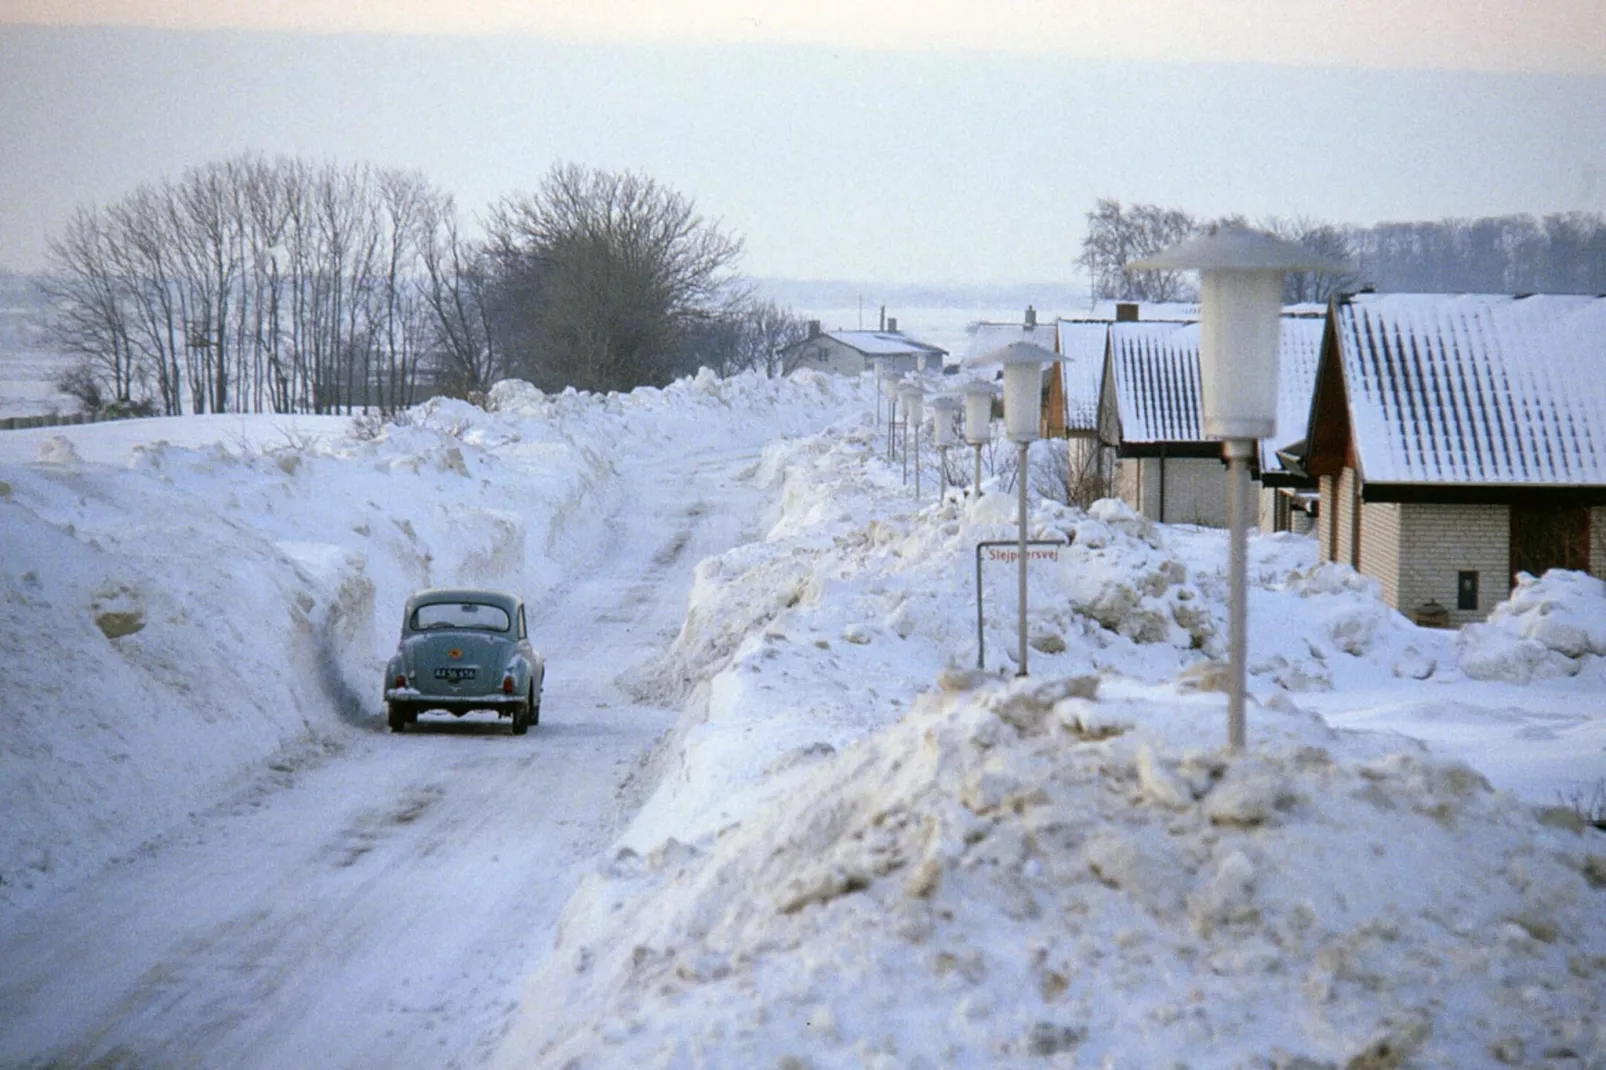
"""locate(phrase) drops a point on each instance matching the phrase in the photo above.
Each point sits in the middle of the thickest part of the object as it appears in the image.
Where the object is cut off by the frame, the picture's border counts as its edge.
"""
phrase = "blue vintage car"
(463, 650)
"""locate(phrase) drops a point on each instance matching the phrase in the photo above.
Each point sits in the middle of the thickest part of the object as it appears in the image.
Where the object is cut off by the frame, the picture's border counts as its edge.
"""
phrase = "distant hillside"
(844, 293)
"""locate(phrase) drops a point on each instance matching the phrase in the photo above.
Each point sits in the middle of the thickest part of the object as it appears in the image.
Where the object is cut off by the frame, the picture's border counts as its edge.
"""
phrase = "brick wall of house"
(1344, 515)
(1197, 492)
(1326, 485)
(1196, 489)
(1380, 550)
(1126, 481)
(1436, 542)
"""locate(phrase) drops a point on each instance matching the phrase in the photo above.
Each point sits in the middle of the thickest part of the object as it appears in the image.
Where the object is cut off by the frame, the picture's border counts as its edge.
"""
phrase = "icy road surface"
(382, 903)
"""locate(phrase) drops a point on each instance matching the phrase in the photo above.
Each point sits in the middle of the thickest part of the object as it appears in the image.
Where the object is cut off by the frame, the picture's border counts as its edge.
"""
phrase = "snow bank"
(1549, 627)
(179, 615)
(1017, 871)
(866, 852)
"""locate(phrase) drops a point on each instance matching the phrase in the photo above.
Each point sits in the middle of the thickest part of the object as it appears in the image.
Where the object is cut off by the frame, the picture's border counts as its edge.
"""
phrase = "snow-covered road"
(378, 901)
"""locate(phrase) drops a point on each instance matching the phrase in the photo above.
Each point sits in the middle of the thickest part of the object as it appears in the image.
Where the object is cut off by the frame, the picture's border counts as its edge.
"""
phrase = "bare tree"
(768, 329)
(90, 313)
(457, 295)
(1117, 236)
(1328, 240)
(604, 277)
(249, 284)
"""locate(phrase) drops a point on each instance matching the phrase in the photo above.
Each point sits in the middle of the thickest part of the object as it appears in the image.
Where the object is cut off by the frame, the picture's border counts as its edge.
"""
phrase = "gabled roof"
(884, 343)
(1154, 369)
(988, 337)
(1081, 346)
(1156, 382)
(1082, 341)
(874, 343)
(1475, 388)
(1299, 354)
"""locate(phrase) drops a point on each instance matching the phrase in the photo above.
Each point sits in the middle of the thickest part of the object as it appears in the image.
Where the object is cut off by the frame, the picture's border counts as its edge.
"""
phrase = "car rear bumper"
(410, 701)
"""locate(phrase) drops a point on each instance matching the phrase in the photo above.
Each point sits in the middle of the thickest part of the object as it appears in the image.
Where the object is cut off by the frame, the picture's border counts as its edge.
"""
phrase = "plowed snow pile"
(1551, 626)
(866, 852)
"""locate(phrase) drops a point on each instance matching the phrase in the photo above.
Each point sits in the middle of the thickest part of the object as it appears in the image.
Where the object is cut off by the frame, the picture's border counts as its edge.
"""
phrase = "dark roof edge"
(1486, 493)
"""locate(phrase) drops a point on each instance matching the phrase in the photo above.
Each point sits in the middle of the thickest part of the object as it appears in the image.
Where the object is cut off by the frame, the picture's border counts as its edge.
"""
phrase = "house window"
(1466, 590)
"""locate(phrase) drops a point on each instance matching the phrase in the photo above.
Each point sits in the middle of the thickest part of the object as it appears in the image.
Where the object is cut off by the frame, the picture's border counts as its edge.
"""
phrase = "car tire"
(397, 717)
(535, 709)
(521, 718)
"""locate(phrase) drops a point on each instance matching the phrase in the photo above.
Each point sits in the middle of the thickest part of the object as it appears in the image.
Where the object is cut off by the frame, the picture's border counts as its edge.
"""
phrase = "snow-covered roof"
(1156, 384)
(987, 337)
(1155, 377)
(1476, 388)
(883, 343)
(1081, 346)
(1299, 356)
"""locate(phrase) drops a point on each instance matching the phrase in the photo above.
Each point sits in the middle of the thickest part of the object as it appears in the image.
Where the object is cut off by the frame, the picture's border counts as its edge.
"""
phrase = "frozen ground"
(773, 815)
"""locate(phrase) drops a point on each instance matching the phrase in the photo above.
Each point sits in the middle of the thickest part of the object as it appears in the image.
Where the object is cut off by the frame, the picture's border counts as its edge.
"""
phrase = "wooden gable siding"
(1331, 445)
(1053, 421)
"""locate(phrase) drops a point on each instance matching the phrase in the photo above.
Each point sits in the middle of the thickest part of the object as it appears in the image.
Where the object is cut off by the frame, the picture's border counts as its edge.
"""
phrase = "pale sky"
(884, 140)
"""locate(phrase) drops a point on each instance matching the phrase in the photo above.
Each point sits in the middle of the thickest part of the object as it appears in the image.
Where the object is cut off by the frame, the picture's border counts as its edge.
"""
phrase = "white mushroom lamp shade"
(1023, 387)
(942, 420)
(1022, 390)
(1240, 296)
(979, 413)
(911, 396)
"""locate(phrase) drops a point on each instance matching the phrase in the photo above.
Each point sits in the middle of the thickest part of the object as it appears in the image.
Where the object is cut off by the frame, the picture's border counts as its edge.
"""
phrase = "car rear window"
(461, 615)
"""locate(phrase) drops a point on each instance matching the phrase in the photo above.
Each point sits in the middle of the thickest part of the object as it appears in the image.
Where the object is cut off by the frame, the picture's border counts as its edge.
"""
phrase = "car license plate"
(454, 673)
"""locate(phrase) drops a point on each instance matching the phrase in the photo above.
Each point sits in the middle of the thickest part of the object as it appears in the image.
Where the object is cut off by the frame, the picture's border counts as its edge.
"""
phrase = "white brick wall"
(1324, 516)
(1438, 541)
(1197, 492)
(1416, 549)
(1380, 549)
(1126, 481)
(1195, 489)
(1344, 516)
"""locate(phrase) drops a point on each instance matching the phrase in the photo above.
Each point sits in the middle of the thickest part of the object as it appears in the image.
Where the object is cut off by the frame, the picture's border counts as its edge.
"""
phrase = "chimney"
(1126, 312)
(814, 328)
(1031, 318)
(883, 319)
(892, 324)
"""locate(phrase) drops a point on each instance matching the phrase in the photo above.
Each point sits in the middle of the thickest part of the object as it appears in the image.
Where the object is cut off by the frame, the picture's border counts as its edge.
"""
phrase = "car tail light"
(507, 685)
(401, 681)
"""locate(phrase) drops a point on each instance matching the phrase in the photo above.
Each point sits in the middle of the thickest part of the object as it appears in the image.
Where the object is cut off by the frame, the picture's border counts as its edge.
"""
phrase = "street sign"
(1007, 551)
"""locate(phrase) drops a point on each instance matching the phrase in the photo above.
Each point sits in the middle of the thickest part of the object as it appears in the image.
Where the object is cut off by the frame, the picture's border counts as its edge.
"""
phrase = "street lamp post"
(890, 379)
(942, 432)
(1240, 296)
(978, 423)
(879, 366)
(1023, 413)
(912, 396)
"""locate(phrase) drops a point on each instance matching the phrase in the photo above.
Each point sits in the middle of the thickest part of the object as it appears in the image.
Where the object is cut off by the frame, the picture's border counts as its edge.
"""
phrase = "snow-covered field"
(773, 815)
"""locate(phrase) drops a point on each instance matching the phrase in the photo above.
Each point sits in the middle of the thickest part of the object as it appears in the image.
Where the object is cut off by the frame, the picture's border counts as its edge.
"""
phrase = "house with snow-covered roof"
(853, 352)
(987, 336)
(1150, 422)
(1458, 440)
